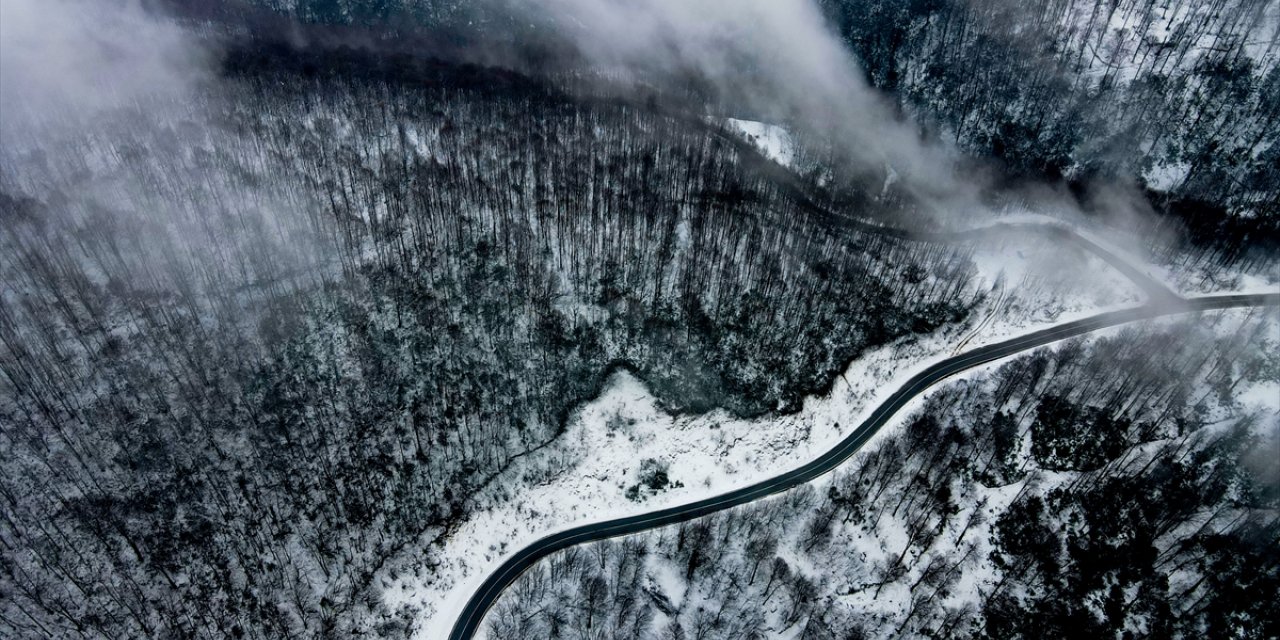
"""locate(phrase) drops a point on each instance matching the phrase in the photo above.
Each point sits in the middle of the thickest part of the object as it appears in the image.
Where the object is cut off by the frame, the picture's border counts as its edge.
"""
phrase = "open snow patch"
(773, 141)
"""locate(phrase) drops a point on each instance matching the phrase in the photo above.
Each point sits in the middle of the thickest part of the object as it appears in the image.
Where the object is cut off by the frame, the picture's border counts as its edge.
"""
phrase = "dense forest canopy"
(368, 294)
(285, 284)
(1181, 98)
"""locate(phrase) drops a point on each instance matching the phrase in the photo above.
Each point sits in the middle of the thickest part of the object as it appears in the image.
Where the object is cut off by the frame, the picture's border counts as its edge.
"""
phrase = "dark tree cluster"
(1183, 94)
(252, 349)
(957, 527)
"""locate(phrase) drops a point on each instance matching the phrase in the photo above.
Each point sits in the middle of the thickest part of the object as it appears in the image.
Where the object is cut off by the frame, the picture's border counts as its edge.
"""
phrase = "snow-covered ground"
(1045, 280)
(968, 532)
(1120, 49)
(774, 141)
(1204, 278)
(1253, 397)
(584, 477)
(1195, 279)
(777, 144)
(848, 568)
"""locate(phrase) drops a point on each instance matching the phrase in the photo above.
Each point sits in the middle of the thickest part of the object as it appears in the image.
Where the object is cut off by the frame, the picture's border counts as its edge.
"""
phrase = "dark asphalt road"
(473, 614)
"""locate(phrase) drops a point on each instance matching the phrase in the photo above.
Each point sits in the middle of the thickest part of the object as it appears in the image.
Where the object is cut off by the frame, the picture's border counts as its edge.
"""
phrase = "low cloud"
(72, 59)
(775, 58)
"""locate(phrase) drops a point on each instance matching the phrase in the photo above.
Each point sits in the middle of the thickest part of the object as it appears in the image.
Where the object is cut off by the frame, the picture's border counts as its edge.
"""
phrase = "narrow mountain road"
(801, 190)
(473, 613)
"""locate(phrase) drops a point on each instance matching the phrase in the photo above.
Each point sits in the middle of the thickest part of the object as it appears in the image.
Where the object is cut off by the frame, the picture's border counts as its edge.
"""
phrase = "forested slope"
(1180, 97)
(1118, 486)
(1183, 95)
(255, 343)
(263, 333)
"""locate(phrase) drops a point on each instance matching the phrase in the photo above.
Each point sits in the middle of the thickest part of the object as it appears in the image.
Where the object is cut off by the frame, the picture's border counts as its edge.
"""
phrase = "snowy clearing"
(773, 141)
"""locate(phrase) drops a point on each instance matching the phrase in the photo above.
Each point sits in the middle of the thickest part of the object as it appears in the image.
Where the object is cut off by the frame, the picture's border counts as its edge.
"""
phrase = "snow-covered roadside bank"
(871, 573)
(623, 455)
(1204, 279)
(977, 509)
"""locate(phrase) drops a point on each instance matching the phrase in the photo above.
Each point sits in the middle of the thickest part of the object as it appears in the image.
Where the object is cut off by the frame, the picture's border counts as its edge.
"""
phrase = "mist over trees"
(1182, 95)
(273, 314)
(371, 288)
(1179, 98)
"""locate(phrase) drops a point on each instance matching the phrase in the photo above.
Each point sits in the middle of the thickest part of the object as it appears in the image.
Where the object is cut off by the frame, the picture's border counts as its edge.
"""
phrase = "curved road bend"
(484, 597)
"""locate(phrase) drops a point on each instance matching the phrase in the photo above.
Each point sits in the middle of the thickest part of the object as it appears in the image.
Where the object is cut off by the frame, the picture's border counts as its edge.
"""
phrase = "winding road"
(800, 190)
(1160, 301)
(473, 613)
